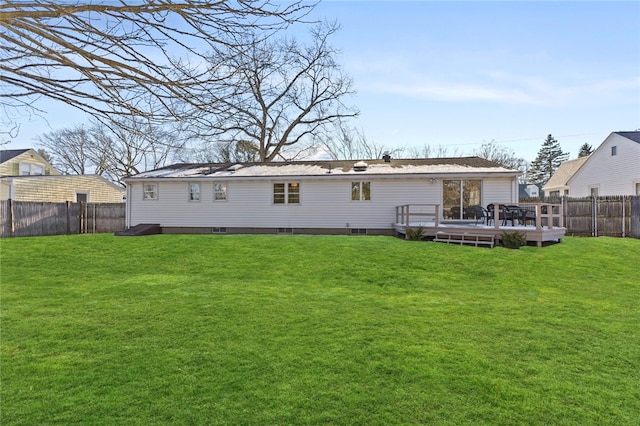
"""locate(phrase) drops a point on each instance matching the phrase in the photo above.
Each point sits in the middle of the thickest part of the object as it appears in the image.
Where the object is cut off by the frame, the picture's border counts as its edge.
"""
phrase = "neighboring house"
(558, 184)
(612, 169)
(24, 162)
(26, 176)
(321, 197)
(529, 190)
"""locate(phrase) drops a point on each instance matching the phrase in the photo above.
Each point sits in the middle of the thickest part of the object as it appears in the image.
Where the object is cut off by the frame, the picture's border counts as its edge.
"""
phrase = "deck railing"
(418, 212)
(546, 214)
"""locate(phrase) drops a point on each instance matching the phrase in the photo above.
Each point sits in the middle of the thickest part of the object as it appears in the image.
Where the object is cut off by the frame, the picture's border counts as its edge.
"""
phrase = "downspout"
(127, 222)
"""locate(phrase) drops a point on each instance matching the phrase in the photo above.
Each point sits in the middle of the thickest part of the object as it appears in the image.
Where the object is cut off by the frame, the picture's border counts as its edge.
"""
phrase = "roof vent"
(360, 166)
(235, 167)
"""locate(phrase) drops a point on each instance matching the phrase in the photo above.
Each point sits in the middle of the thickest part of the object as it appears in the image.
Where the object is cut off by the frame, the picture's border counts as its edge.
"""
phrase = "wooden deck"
(547, 229)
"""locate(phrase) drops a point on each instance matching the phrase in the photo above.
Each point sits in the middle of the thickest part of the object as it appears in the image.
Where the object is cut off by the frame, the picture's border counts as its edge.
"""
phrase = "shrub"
(415, 234)
(514, 240)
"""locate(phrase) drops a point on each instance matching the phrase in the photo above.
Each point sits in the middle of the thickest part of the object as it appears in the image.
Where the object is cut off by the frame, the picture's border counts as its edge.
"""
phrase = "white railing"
(545, 214)
(418, 213)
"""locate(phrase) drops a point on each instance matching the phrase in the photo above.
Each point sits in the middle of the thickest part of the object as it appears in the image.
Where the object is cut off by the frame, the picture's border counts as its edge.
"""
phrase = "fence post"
(624, 202)
(594, 215)
(10, 214)
(68, 218)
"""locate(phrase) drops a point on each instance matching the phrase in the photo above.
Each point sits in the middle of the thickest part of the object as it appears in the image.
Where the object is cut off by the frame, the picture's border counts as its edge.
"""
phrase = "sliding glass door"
(459, 197)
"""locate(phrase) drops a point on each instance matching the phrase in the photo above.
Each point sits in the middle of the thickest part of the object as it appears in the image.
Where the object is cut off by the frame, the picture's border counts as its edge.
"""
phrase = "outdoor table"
(517, 213)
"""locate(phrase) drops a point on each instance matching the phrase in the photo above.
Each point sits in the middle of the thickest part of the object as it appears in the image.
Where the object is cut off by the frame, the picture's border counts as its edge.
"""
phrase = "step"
(465, 239)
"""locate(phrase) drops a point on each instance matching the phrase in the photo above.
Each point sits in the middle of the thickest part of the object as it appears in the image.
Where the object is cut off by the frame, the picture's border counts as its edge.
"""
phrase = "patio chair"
(530, 216)
(481, 214)
(503, 216)
(490, 213)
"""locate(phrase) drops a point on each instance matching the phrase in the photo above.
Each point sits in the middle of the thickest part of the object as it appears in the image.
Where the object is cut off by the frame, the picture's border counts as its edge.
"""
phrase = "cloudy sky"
(459, 74)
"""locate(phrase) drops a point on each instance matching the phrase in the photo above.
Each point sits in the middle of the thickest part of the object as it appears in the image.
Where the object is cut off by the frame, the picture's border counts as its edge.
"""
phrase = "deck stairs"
(140, 229)
(465, 238)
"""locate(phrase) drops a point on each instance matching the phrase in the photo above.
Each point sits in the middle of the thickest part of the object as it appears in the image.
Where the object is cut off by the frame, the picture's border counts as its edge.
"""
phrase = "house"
(558, 183)
(26, 176)
(529, 190)
(313, 197)
(612, 169)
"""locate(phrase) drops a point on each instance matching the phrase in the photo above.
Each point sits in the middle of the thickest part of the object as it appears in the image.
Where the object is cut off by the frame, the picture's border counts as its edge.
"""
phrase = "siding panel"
(323, 203)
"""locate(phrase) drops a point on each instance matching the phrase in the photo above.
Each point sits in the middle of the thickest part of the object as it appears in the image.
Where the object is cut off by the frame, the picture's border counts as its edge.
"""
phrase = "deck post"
(538, 216)
(437, 215)
(561, 218)
(407, 215)
(496, 215)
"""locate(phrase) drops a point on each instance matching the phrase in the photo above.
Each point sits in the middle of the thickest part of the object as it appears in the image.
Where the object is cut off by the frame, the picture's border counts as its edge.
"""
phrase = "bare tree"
(70, 149)
(122, 58)
(502, 155)
(281, 94)
(113, 151)
(428, 151)
(347, 143)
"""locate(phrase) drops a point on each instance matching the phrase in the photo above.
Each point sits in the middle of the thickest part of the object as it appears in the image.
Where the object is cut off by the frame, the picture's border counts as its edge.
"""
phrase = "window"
(459, 197)
(194, 192)
(638, 188)
(614, 150)
(293, 193)
(361, 191)
(594, 191)
(150, 191)
(27, 169)
(288, 193)
(219, 192)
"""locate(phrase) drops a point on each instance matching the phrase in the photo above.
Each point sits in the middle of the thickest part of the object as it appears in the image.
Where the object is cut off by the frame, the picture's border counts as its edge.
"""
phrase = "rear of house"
(326, 197)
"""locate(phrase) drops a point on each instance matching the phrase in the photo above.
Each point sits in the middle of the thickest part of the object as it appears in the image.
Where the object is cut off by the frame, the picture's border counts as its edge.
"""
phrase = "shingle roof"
(8, 154)
(634, 136)
(564, 173)
(324, 168)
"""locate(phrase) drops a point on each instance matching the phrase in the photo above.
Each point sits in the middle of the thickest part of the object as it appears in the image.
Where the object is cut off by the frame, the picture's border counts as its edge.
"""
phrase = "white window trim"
(31, 167)
(361, 182)
(226, 192)
(286, 193)
(189, 192)
(144, 192)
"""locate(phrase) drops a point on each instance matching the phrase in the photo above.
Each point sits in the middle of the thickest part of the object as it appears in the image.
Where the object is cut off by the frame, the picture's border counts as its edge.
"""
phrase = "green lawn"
(262, 330)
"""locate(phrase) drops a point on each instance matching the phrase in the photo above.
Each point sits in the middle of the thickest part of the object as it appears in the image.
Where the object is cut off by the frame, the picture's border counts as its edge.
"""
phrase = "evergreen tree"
(547, 162)
(585, 150)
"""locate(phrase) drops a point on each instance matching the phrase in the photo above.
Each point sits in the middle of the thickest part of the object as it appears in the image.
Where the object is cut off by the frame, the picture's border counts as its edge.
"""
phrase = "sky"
(456, 75)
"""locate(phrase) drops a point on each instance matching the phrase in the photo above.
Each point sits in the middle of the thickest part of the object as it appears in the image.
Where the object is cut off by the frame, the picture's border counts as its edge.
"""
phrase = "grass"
(258, 330)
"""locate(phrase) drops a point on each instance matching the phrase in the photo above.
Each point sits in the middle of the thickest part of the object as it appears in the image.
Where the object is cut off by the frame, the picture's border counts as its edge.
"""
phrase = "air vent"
(235, 167)
(360, 166)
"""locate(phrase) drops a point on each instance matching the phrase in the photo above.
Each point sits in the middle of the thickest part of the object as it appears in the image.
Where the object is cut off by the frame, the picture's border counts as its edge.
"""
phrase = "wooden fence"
(600, 216)
(27, 218)
(614, 216)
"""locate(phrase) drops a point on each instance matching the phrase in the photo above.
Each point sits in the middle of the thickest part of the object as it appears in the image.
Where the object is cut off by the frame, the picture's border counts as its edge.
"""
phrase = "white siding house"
(612, 169)
(330, 197)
